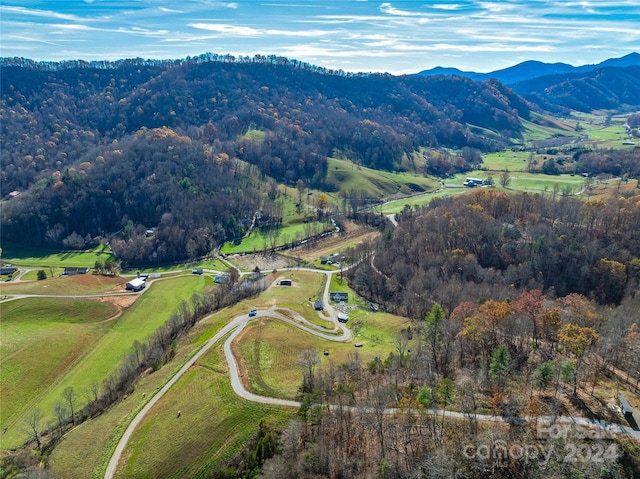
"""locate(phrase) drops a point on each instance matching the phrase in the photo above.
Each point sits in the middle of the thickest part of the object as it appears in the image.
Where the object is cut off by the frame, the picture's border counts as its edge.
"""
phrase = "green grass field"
(213, 425)
(305, 288)
(150, 311)
(270, 350)
(42, 258)
(41, 338)
(256, 240)
(66, 285)
(85, 450)
(506, 160)
(377, 184)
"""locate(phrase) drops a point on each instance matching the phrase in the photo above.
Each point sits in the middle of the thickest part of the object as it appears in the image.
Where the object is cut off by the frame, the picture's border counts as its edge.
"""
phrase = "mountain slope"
(530, 69)
(610, 88)
(109, 150)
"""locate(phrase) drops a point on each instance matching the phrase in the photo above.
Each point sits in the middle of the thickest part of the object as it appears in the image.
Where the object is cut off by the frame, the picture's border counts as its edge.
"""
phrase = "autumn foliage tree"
(577, 339)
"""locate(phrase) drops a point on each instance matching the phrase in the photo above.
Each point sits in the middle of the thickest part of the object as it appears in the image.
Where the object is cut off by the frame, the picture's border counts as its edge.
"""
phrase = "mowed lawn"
(82, 284)
(213, 425)
(42, 258)
(41, 338)
(102, 357)
(270, 349)
(85, 451)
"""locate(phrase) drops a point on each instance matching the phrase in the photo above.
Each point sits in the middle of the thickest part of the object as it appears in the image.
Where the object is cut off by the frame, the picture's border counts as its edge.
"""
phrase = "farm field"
(78, 285)
(377, 184)
(151, 310)
(528, 182)
(212, 426)
(259, 240)
(40, 339)
(85, 450)
(39, 258)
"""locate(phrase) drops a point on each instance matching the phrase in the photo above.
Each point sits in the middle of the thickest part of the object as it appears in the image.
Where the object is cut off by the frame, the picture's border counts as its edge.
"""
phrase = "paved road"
(237, 325)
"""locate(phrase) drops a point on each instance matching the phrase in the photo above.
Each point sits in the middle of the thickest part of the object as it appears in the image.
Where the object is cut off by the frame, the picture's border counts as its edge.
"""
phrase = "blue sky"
(402, 36)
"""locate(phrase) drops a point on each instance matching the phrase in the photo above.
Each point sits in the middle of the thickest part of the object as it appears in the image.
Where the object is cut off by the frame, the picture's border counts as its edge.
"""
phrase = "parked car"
(253, 312)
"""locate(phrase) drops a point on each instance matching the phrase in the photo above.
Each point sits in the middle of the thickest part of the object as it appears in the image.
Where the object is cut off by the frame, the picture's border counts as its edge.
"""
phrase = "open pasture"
(104, 354)
(396, 206)
(506, 160)
(213, 425)
(529, 182)
(259, 240)
(270, 349)
(82, 284)
(84, 451)
(376, 183)
(42, 258)
(41, 338)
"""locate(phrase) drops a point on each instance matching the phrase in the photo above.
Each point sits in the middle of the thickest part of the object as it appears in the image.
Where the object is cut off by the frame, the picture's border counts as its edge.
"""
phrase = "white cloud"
(447, 6)
(32, 12)
(227, 29)
(388, 8)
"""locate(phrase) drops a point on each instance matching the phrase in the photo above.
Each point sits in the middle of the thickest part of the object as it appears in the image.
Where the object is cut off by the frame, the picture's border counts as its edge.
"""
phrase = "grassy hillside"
(101, 357)
(377, 184)
(21, 255)
(41, 339)
(213, 425)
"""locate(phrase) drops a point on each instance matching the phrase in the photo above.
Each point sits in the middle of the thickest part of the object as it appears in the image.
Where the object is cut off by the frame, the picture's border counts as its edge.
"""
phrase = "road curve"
(238, 324)
(117, 453)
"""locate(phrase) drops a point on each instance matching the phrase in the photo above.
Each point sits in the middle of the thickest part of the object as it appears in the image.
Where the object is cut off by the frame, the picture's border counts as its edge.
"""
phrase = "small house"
(135, 285)
(317, 305)
(339, 297)
(221, 278)
(323, 260)
(68, 271)
(343, 317)
(8, 269)
(471, 182)
(285, 282)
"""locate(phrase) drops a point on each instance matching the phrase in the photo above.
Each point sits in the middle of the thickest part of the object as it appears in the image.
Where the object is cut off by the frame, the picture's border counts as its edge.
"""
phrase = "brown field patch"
(266, 262)
(354, 234)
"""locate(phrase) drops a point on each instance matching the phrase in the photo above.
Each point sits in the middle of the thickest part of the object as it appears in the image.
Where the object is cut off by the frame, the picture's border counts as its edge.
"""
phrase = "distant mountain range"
(531, 69)
(613, 84)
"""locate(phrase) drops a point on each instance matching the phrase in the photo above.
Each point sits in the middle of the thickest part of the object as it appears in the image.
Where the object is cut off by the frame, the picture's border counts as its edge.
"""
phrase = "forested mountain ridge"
(613, 84)
(607, 88)
(531, 69)
(103, 148)
(51, 117)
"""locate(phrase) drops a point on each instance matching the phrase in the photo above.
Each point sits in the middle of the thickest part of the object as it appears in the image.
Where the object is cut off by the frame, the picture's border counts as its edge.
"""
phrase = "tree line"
(387, 417)
(76, 407)
(487, 243)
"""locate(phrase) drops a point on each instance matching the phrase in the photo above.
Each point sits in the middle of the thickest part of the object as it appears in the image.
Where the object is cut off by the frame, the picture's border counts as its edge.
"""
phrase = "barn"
(136, 284)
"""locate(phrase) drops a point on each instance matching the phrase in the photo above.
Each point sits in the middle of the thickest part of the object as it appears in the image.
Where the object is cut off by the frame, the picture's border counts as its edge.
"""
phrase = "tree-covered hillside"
(607, 88)
(98, 149)
(491, 244)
